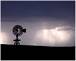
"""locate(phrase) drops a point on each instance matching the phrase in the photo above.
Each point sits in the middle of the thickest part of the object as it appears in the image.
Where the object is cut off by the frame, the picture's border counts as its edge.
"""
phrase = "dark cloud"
(56, 9)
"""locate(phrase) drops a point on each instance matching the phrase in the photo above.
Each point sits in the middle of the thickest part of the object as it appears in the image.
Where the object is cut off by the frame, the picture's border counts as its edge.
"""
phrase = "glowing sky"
(47, 23)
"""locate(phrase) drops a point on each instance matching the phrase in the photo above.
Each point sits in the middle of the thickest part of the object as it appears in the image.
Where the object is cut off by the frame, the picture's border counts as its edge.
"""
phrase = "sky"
(47, 23)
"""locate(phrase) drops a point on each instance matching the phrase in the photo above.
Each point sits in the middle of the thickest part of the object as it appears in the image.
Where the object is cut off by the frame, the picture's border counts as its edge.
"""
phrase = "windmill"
(18, 31)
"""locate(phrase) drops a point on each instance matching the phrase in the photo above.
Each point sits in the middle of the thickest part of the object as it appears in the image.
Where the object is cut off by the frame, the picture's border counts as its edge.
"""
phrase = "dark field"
(29, 52)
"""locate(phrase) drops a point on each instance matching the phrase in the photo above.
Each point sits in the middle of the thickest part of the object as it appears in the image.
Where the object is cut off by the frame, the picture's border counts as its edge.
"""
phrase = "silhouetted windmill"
(18, 31)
